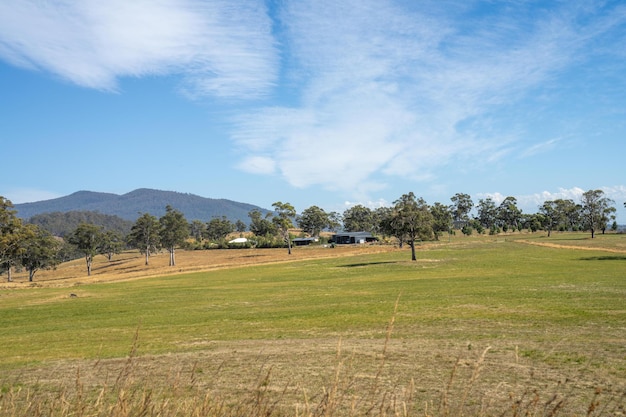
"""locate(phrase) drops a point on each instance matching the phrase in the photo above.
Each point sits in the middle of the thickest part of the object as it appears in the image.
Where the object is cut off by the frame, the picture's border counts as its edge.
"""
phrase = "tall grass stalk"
(133, 395)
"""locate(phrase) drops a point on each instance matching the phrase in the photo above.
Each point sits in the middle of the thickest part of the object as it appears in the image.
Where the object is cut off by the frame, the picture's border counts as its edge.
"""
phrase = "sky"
(314, 102)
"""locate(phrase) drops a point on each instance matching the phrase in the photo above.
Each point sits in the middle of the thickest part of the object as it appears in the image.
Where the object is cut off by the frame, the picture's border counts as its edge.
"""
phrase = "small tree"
(442, 219)
(550, 216)
(334, 221)
(461, 206)
(41, 251)
(413, 219)
(12, 233)
(87, 238)
(197, 230)
(508, 214)
(261, 226)
(112, 244)
(174, 231)
(358, 219)
(218, 228)
(240, 226)
(283, 220)
(595, 208)
(313, 220)
(144, 235)
(486, 210)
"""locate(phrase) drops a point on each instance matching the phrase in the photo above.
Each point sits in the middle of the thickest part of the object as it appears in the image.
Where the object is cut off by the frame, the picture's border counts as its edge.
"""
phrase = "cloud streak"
(388, 92)
(220, 48)
(379, 91)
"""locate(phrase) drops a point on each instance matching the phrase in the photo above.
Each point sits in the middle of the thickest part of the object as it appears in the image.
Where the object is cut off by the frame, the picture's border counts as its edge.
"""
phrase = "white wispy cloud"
(387, 91)
(380, 89)
(540, 148)
(221, 48)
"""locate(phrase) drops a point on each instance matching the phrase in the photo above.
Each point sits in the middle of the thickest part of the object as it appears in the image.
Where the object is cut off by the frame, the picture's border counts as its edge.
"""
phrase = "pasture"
(510, 325)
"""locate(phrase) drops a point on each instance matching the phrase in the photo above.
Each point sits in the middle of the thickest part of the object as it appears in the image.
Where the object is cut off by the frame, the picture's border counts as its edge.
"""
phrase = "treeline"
(410, 219)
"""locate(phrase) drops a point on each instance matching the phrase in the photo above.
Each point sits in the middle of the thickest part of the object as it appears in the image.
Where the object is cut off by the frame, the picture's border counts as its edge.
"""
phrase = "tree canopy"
(283, 220)
(174, 230)
(88, 239)
(144, 235)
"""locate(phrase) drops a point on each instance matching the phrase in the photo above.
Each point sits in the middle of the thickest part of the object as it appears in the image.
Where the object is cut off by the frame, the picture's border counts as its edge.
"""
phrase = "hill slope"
(131, 205)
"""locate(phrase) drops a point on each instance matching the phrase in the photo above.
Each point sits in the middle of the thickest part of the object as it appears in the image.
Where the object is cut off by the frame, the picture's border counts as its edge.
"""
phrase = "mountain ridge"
(131, 205)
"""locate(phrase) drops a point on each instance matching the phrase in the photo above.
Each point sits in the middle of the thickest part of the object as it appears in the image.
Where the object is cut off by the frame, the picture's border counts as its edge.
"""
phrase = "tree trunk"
(88, 259)
(413, 257)
(289, 246)
(172, 257)
(9, 275)
(147, 254)
(31, 274)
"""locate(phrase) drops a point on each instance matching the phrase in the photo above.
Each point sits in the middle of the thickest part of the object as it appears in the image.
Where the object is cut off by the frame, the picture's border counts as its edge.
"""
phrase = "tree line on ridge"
(409, 220)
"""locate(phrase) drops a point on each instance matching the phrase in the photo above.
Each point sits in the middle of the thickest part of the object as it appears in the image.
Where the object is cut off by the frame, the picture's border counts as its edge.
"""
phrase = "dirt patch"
(576, 247)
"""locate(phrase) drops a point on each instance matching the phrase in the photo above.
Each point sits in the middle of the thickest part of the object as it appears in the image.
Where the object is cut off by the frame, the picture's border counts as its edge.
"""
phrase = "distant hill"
(131, 205)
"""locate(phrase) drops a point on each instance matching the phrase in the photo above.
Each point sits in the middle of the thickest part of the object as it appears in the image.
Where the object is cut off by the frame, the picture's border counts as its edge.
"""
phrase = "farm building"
(303, 241)
(347, 238)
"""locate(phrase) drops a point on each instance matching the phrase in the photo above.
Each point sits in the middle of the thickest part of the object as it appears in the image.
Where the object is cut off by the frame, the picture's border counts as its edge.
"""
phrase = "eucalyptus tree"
(283, 220)
(261, 225)
(442, 219)
(41, 251)
(508, 214)
(382, 218)
(569, 214)
(550, 216)
(313, 220)
(218, 228)
(461, 206)
(144, 235)
(412, 219)
(359, 219)
(12, 232)
(486, 213)
(88, 239)
(595, 210)
(197, 230)
(532, 222)
(240, 226)
(334, 221)
(113, 243)
(390, 225)
(174, 231)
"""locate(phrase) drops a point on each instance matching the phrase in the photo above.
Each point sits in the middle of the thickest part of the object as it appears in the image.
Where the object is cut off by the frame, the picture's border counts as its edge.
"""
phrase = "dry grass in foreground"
(347, 378)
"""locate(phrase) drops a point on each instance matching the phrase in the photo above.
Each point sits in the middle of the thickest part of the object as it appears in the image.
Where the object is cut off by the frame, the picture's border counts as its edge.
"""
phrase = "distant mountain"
(131, 205)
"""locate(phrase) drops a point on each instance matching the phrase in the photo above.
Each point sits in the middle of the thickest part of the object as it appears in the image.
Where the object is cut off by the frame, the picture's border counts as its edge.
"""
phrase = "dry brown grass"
(312, 378)
(131, 264)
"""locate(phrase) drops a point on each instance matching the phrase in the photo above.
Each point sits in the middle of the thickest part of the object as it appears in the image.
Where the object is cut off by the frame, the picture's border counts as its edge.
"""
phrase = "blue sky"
(328, 103)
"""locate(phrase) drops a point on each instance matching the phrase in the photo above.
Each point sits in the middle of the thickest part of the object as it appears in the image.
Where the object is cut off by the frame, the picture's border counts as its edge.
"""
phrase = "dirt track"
(559, 246)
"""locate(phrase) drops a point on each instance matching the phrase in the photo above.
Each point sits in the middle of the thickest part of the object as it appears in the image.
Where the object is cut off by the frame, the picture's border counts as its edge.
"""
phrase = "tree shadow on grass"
(605, 258)
(366, 264)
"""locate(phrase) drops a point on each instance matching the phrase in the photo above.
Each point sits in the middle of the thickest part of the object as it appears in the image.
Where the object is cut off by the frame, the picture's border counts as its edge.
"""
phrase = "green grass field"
(554, 320)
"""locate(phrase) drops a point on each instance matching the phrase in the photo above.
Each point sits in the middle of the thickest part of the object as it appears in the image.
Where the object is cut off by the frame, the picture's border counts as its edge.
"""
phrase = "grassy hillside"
(479, 325)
